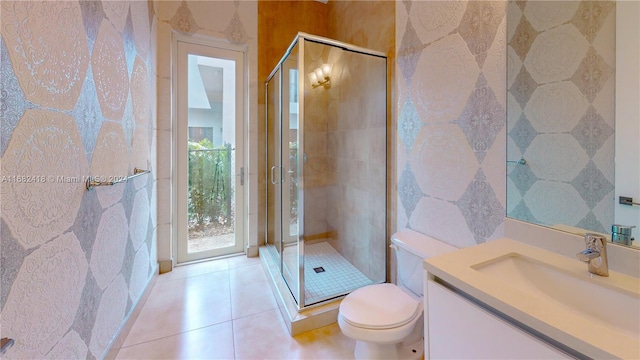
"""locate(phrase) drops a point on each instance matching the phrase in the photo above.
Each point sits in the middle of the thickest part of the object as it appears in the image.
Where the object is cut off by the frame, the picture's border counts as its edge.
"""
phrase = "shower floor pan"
(328, 275)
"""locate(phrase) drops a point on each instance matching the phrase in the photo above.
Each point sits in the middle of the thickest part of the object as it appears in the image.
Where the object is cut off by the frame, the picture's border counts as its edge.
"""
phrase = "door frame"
(243, 89)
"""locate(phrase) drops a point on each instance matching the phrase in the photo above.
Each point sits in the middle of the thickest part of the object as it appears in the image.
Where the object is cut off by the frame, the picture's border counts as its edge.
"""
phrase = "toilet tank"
(411, 248)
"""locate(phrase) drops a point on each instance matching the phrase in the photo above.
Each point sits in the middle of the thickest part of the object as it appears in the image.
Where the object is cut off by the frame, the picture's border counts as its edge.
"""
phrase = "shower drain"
(318, 269)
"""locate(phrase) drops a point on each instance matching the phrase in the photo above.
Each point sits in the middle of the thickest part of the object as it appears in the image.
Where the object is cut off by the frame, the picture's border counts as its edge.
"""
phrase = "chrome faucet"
(595, 254)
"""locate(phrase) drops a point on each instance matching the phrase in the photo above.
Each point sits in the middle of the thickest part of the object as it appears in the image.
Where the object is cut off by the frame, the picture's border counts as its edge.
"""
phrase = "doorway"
(210, 98)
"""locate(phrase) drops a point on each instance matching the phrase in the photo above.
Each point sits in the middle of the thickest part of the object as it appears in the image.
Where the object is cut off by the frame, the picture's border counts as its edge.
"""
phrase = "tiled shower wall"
(451, 119)
(356, 142)
(344, 143)
(319, 169)
(77, 100)
(561, 81)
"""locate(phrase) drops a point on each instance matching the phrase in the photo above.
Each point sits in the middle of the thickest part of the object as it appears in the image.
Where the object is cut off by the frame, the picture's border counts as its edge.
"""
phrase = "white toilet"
(386, 320)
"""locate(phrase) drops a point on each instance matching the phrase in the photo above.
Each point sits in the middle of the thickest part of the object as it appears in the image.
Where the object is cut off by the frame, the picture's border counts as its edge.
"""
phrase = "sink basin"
(587, 295)
(548, 293)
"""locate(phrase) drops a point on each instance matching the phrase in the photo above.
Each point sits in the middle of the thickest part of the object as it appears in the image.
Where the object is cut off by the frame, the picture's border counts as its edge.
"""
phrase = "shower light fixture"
(321, 76)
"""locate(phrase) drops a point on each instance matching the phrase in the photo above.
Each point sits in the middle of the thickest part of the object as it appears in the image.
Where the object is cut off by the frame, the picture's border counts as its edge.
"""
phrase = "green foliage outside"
(209, 184)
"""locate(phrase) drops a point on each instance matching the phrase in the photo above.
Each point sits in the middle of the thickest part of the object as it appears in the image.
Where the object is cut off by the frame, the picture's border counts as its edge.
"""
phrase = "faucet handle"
(622, 229)
(594, 241)
(621, 234)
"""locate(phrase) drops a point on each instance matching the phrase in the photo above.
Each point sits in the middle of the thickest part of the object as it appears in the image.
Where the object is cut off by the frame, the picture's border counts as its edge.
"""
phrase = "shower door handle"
(273, 168)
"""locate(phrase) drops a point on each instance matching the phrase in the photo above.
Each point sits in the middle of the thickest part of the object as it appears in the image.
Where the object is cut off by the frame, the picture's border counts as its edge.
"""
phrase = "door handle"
(241, 176)
(273, 168)
(281, 176)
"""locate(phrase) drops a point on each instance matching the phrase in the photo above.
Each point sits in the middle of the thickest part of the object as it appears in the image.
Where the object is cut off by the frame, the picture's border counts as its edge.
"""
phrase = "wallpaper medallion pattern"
(235, 32)
(70, 274)
(477, 119)
(451, 119)
(109, 317)
(50, 61)
(88, 116)
(38, 207)
(436, 20)
(409, 124)
(555, 107)
(441, 95)
(478, 28)
(409, 53)
(141, 27)
(139, 154)
(438, 147)
(139, 219)
(110, 72)
(110, 149)
(183, 20)
(139, 92)
(70, 347)
(108, 249)
(12, 101)
(52, 277)
(139, 273)
(561, 102)
(116, 12)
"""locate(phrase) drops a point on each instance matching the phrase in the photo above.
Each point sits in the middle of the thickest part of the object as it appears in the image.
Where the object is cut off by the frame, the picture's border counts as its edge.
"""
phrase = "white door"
(210, 98)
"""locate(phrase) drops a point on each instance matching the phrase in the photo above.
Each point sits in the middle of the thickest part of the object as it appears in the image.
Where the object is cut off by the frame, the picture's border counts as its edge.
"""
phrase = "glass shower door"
(273, 155)
(283, 175)
(290, 175)
(326, 169)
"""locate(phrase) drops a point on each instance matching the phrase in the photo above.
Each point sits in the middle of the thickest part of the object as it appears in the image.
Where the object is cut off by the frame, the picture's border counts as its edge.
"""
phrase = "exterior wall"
(451, 105)
(232, 22)
(78, 100)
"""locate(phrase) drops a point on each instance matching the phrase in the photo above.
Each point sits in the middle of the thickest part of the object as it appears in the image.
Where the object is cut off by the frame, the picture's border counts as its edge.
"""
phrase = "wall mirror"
(573, 114)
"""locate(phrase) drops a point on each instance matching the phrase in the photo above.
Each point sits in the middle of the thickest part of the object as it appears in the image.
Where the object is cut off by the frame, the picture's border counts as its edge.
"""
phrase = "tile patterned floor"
(223, 309)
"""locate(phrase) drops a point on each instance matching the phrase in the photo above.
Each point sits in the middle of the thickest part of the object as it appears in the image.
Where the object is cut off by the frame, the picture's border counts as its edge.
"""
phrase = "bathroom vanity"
(508, 299)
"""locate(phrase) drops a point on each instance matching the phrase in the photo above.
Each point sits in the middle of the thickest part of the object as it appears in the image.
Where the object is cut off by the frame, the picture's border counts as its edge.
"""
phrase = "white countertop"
(591, 338)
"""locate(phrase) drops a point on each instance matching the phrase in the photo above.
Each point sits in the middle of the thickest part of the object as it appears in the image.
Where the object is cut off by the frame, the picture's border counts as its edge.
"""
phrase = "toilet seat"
(380, 306)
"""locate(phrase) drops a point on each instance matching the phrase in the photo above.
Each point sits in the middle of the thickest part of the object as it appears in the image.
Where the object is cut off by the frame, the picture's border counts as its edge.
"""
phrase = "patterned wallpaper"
(450, 88)
(561, 80)
(76, 100)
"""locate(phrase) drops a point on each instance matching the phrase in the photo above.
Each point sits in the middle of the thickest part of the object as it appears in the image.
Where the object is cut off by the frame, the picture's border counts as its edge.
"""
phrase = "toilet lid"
(380, 306)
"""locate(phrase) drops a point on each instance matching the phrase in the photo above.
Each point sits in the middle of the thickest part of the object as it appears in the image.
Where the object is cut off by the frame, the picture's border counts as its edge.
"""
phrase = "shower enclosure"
(326, 124)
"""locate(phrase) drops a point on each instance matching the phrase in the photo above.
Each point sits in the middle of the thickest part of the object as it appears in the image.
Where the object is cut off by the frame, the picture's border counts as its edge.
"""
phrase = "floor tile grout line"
(256, 313)
(231, 306)
(186, 277)
(199, 328)
(178, 334)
